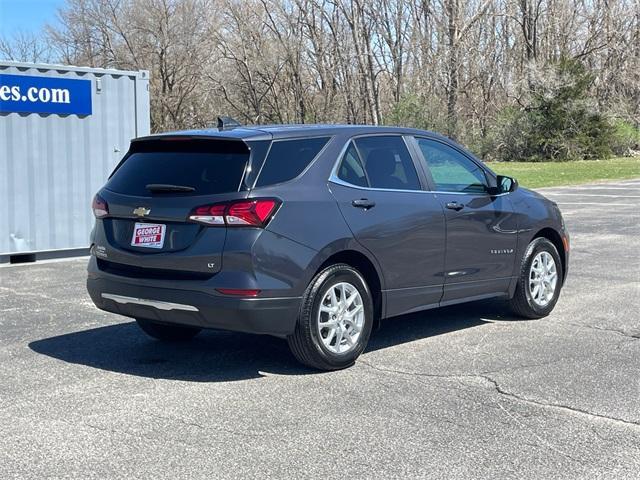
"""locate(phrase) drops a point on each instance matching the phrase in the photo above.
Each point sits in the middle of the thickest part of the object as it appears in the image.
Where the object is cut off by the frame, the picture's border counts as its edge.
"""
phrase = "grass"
(549, 174)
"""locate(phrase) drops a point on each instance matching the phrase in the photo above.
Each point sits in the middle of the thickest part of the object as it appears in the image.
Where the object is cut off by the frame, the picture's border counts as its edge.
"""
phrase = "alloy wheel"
(341, 318)
(543, 279)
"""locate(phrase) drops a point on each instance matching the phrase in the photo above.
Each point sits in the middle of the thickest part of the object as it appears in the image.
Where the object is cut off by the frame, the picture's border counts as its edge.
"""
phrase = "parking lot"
(463, 392)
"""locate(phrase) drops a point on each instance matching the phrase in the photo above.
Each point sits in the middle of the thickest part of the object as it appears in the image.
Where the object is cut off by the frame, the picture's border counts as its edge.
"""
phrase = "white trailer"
(62, 130)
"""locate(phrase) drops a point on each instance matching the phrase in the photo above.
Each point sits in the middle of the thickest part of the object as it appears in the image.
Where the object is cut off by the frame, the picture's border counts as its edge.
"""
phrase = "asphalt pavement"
(462, 392)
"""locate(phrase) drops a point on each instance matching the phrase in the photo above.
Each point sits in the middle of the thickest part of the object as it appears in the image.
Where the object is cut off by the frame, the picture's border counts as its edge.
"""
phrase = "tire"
(319, 347)
(523, 302)
(166, 332)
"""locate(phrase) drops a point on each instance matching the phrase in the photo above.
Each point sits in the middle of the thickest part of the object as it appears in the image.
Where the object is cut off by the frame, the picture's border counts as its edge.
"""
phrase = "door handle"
(364, 203)
(455, 206)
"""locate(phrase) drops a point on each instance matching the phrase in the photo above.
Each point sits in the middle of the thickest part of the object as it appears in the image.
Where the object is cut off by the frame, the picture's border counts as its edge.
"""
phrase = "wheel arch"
(366, 267)
(554, 237)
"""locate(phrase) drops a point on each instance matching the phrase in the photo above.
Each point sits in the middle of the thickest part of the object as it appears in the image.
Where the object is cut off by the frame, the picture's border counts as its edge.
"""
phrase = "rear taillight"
(208, 214)
(99, 206)
(241, 213)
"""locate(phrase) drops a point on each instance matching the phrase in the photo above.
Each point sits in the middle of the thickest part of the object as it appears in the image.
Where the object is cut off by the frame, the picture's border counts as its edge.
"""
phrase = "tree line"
(512, 79)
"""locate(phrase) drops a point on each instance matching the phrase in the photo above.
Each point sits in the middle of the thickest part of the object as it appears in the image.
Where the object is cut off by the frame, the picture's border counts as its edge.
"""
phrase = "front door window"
(451, 171)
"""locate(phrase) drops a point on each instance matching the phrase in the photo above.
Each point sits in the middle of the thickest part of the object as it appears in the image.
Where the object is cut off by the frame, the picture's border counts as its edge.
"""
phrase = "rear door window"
(288, 158)
(351, 170)
(388, 163)
(208, 166)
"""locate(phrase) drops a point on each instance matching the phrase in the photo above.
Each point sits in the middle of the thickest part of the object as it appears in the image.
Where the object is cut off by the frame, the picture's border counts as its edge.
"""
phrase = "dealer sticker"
(149, 235)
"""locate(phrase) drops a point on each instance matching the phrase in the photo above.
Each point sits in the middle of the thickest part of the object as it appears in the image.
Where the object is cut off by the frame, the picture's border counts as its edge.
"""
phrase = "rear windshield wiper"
(164, 187)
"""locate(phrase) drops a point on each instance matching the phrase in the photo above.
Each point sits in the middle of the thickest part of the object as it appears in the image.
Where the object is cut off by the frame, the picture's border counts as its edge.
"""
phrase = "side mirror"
(507, 184)
(504, 184)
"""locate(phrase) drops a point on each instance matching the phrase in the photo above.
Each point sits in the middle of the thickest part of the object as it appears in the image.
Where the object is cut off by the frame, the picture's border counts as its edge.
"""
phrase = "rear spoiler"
(191, 143)
(256, 147)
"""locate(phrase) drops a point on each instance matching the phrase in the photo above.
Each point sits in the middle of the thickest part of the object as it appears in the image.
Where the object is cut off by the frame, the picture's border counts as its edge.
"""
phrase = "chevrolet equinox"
(315, 233)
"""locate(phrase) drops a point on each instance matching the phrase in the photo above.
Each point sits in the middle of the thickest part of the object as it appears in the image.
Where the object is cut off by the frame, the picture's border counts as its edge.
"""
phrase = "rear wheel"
(540, 280)
(335, 319)
(166, 332)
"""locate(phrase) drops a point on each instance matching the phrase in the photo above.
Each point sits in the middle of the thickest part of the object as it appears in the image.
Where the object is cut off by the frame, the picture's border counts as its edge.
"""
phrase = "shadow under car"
(220, 356)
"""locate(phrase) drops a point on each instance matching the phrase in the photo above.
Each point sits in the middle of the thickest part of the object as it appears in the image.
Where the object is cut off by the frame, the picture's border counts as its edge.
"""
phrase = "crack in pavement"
(500, 390)
(134, 435)
(543, 443)
(559, 406)
(559, 360)
(206, 428)
(635, 336)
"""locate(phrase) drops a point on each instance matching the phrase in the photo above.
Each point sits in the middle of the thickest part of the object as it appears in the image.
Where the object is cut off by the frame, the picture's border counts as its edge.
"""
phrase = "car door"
(379, 193)
(481, 228)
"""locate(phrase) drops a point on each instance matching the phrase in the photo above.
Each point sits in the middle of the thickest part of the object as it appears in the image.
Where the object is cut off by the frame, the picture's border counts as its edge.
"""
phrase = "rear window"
(208, 166)
(288, 158)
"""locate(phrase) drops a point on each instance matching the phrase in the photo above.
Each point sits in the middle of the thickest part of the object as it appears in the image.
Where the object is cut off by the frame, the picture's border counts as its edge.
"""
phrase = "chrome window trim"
(333, 177)
(484, 194)
(338, 181)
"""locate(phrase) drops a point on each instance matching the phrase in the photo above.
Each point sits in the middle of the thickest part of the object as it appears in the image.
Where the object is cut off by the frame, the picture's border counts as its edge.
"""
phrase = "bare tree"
(451, 64)
(25, 47)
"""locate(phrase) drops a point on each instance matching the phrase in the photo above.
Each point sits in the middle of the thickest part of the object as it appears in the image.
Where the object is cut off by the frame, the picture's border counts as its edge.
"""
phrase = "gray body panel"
(424, 255)
(481, 245)
(405, 231)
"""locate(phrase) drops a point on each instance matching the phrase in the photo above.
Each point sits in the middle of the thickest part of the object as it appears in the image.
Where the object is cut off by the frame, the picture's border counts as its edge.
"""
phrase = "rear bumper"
(272, 316)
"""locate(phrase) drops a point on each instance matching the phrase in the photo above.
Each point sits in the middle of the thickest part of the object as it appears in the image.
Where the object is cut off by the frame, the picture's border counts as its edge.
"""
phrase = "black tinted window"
(388, 163)
(351, 170)
(288, 158)
(451, 170)
(210, 167)
(259, 151)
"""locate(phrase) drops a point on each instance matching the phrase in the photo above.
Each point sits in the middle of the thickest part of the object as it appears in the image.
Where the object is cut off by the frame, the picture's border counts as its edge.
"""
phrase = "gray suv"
(315, 233)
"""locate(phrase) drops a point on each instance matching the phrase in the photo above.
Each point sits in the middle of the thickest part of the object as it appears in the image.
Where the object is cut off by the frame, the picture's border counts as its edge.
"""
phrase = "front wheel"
(540, 280)
(166, 332)
(335, 319)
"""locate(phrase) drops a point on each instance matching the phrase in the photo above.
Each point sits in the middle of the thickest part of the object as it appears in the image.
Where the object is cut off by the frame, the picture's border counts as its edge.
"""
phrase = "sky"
(26, 15)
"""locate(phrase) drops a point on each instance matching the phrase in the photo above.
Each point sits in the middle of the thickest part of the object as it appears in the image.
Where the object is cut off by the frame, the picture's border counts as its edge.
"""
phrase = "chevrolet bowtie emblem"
(142, 211)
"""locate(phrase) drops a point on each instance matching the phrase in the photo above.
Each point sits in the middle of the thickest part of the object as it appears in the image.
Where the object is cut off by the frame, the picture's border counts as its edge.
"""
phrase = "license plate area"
(148, 235)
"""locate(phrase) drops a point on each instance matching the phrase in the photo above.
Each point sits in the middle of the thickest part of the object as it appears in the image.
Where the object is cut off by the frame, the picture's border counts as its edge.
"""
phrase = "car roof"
(275, 132)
